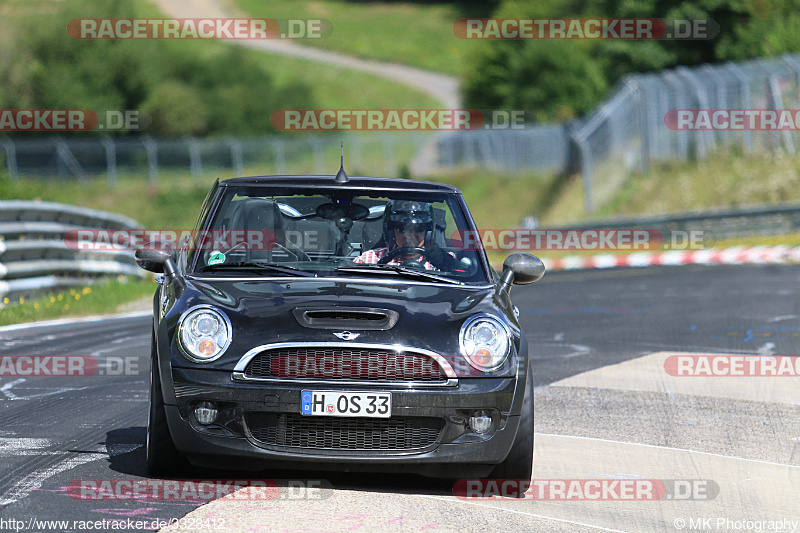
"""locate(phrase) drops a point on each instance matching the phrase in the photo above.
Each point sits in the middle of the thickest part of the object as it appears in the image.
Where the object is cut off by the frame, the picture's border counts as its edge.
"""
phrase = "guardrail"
(722, 224)
(35, 256)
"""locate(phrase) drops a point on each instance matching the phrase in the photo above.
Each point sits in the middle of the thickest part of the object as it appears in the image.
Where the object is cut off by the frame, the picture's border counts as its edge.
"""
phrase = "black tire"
(519, 463)
(163, 458)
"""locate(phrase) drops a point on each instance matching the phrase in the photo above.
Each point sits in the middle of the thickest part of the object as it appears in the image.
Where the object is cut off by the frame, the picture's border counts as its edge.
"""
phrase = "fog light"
(480, 422)
(206, 412)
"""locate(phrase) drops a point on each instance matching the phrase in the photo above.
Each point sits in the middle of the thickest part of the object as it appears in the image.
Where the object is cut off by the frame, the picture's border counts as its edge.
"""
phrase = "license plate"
(337, 403)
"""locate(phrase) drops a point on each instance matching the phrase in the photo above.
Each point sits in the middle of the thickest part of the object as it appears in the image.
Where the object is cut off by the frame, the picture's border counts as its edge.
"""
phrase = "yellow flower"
(5, 300)
(66, 307)
(72, 291)
(60, 297)
(87, 290)
(21, 300)
(36, 305)
(52, 299)
(77, 296)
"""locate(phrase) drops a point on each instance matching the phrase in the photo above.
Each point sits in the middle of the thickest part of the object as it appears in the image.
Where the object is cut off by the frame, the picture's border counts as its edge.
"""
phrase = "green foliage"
(560, 79)
(186, 87)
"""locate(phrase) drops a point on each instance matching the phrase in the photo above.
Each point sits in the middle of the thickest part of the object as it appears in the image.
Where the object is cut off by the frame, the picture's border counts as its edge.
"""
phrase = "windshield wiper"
(401, 270)
(256, 267)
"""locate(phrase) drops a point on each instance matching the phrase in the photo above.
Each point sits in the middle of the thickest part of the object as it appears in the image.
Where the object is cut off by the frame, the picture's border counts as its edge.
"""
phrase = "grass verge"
(95, 299)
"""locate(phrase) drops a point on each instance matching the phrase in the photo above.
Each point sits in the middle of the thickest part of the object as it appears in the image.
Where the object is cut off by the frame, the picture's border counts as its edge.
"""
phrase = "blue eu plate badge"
(306, 401)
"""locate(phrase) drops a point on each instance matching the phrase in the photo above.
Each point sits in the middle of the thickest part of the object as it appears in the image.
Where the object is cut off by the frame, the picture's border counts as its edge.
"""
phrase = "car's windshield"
(281, 232)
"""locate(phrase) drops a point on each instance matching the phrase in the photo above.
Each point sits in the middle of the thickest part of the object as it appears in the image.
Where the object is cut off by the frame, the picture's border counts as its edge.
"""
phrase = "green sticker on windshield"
(216, 258)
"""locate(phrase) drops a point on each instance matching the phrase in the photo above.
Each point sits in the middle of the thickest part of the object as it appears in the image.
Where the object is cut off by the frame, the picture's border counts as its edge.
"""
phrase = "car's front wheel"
(163, 458)
(519, 463)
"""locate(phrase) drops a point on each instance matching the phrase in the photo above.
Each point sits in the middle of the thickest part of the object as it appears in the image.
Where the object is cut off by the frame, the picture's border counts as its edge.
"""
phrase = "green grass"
(80, 301)
(419, 35)
(722, 180)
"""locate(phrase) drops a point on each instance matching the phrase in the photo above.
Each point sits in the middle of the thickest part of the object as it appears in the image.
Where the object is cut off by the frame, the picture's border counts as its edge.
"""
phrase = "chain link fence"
(629, 131)
(150, 158)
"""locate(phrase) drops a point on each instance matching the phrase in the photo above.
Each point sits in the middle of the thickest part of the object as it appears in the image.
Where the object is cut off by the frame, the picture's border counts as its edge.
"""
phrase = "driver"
(405, 224)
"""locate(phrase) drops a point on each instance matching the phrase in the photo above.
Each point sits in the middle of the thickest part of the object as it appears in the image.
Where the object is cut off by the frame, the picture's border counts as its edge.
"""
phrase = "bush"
(187, 87)
(559, 79)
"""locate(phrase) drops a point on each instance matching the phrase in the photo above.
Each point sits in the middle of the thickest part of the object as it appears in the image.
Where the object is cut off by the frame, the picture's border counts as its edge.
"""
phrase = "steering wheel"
(405, 250)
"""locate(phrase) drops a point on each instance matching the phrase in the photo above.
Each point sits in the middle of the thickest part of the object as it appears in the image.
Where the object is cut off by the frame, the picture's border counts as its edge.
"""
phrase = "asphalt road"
(604, 410)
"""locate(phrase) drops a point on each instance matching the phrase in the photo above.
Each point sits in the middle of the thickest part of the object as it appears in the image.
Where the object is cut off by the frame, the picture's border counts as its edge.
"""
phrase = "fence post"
(586, 169)
(66, 157)
(744, 81)
(111, 160)
(644, 131)
(388, 155)
(11, 158)
(776, 98)
(319, 158)
(702, 103)
(280, 159)
(355, 153)
(236, 157)
(152, 157)
(195, 160)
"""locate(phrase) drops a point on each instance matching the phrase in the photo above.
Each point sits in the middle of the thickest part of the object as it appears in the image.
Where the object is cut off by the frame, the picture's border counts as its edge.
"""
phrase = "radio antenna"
(341, 176)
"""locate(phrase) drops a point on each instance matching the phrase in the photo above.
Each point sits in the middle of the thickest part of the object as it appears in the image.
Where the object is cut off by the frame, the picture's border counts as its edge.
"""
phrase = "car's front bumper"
(230, 443)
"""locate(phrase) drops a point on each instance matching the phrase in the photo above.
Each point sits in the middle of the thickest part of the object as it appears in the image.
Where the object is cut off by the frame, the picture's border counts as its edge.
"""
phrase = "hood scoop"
(360, 318)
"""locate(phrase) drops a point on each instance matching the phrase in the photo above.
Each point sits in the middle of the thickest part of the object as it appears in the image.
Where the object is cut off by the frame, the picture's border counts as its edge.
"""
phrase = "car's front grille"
(335, 433)
(367, 364)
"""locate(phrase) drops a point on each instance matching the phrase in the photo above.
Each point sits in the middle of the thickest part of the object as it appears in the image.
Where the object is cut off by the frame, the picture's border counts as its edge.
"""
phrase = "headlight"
(205, 334)
(485, 342)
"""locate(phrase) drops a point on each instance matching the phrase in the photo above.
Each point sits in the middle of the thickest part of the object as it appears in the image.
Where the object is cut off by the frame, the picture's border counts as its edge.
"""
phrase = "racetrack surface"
(605, 409)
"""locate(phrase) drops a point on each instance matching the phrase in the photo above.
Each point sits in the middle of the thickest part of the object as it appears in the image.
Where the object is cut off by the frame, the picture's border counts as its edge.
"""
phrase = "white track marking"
(35, 479)
(6, 389)
(657, 447)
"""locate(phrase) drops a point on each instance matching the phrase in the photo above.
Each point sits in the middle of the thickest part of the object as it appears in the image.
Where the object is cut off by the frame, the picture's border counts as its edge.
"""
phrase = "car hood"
(429, 316)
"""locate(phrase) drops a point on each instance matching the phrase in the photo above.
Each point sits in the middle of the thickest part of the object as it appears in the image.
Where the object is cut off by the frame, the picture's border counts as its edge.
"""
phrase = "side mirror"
(520, 269)
(156, 260)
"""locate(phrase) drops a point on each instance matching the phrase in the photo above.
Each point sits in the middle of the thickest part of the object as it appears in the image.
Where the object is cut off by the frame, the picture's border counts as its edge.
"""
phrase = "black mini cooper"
(340, 323)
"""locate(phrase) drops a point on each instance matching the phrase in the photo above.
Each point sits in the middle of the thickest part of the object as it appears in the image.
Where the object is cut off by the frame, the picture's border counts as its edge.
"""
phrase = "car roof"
(354, 182)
